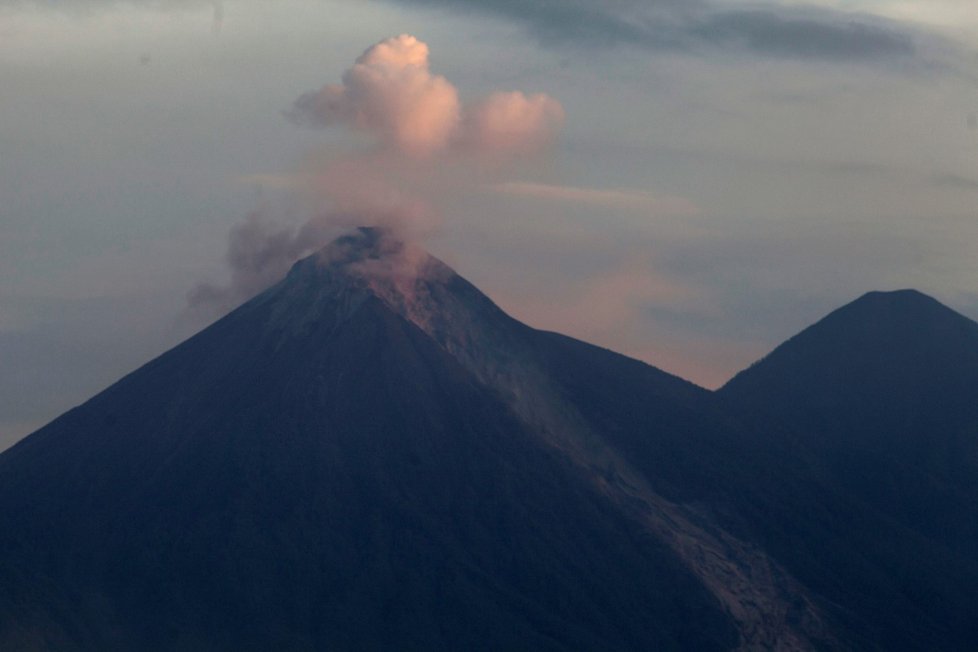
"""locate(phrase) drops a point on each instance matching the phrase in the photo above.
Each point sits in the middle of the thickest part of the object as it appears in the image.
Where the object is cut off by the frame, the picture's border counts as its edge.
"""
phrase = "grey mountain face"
(372, 455)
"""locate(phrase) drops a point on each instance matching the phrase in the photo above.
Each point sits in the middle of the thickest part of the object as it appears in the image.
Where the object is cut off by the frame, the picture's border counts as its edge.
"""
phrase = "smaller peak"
(896, 301)
(906, 294)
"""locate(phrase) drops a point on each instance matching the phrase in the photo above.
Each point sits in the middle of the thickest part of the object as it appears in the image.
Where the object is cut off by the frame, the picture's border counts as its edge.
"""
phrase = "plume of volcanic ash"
(391, 93)
(422, 136)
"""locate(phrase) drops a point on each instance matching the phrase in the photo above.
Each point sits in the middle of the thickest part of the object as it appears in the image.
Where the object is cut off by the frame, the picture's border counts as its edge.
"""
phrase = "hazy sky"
(726, 172)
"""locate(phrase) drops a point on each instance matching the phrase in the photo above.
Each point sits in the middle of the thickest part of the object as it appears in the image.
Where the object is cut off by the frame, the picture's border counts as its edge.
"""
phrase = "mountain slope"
(315, 471)
(884, 393)
(372, 455)
(651, 441)
(880, 401)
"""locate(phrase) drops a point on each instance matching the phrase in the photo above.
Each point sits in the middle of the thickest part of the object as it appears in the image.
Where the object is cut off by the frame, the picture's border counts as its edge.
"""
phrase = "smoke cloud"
(391, 93)
(261, 250)
(425, 139)
(512, 123)
(259, 253)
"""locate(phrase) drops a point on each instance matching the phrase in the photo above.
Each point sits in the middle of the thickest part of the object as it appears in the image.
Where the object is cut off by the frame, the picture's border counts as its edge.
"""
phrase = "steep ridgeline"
(361, 458)
(881, 400)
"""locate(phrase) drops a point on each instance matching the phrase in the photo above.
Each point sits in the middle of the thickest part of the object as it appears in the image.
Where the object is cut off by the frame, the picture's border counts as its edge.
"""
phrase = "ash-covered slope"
(348, 461)
(653, 443)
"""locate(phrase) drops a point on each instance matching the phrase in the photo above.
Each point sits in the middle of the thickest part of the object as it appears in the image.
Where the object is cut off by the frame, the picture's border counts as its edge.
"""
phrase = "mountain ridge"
(371, 453)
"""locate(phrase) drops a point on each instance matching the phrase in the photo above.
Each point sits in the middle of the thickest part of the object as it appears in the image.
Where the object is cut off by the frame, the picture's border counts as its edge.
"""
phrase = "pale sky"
(727, 172)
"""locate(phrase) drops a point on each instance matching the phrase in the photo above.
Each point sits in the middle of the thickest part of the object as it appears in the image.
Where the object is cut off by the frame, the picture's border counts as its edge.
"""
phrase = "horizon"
(374, 232)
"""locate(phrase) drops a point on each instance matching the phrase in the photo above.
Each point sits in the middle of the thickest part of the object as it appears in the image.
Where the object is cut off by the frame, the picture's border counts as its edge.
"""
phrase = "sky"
(691, 181)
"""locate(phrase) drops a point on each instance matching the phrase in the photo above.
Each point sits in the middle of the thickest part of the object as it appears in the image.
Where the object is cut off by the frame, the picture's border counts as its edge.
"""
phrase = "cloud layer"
(691, 25)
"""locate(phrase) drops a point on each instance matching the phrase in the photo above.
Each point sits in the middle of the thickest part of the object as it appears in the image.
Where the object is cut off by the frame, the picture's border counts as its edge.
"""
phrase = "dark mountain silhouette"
(884, 394)
(371, 455)
(315, 471)
(880, 399)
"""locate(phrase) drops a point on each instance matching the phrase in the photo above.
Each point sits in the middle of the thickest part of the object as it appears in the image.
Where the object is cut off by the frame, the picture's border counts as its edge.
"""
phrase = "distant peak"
(873, 336)
(908, 294)
(896, 302)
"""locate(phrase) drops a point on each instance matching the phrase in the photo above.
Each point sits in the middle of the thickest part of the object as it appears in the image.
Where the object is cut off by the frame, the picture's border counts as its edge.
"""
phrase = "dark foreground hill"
(371, 455)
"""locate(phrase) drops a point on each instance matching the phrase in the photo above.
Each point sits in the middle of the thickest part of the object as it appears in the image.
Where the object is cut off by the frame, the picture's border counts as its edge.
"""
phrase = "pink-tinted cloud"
(615, 309)
(391, 92)
(605, 306)
(512, 123)
(372, 186)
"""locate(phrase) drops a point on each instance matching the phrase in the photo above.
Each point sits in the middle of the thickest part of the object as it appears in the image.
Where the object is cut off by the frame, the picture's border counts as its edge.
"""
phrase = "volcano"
(354, 459)
(372, 455)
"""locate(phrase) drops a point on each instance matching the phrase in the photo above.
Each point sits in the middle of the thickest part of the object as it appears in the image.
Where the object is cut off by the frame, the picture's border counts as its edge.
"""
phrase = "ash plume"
(511, 123)
(261, 250)
(259, 253)
(390, 92)
(425, 139)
